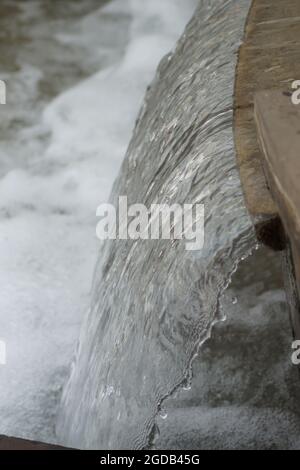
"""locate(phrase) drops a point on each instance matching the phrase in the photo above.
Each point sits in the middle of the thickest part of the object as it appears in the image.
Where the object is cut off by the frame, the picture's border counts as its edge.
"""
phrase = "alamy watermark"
(295, 97)
(296, 93)
(2, 343)
(2, 353)
(160, 221)
(296, 353)
(2, 92)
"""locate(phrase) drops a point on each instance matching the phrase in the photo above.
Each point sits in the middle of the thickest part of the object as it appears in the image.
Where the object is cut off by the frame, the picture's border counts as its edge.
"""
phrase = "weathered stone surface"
(268, 59)
(278, 128)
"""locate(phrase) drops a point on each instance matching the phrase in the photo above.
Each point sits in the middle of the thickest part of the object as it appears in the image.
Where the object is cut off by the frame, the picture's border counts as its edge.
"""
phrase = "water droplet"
(234, 300)
(163, 414)
(187, 387)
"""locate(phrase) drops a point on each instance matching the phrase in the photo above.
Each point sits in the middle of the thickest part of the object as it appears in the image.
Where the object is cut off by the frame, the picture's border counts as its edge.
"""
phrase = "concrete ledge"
(278, 129)
(12, 443)
(268, 59)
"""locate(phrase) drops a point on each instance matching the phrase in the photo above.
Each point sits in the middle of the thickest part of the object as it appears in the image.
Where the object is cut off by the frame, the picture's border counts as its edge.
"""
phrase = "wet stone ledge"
(12, 443)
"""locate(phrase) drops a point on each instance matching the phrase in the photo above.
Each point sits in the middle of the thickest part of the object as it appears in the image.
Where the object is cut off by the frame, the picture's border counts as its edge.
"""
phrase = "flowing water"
(76, 73)
(154, 303)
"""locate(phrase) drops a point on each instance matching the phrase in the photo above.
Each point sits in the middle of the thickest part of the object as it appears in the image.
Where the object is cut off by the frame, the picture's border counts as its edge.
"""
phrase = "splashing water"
(154, 303)
(62, 144)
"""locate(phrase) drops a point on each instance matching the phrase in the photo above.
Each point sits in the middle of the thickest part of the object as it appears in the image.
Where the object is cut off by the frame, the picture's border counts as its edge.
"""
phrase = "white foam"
(95, 119)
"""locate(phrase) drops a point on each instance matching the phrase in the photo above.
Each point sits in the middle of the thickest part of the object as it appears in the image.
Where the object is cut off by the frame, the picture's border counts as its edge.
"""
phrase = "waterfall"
(154, 303)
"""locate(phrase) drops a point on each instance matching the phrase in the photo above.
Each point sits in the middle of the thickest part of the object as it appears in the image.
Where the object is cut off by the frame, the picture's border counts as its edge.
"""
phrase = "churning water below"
(76, 74)
(154, 303)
